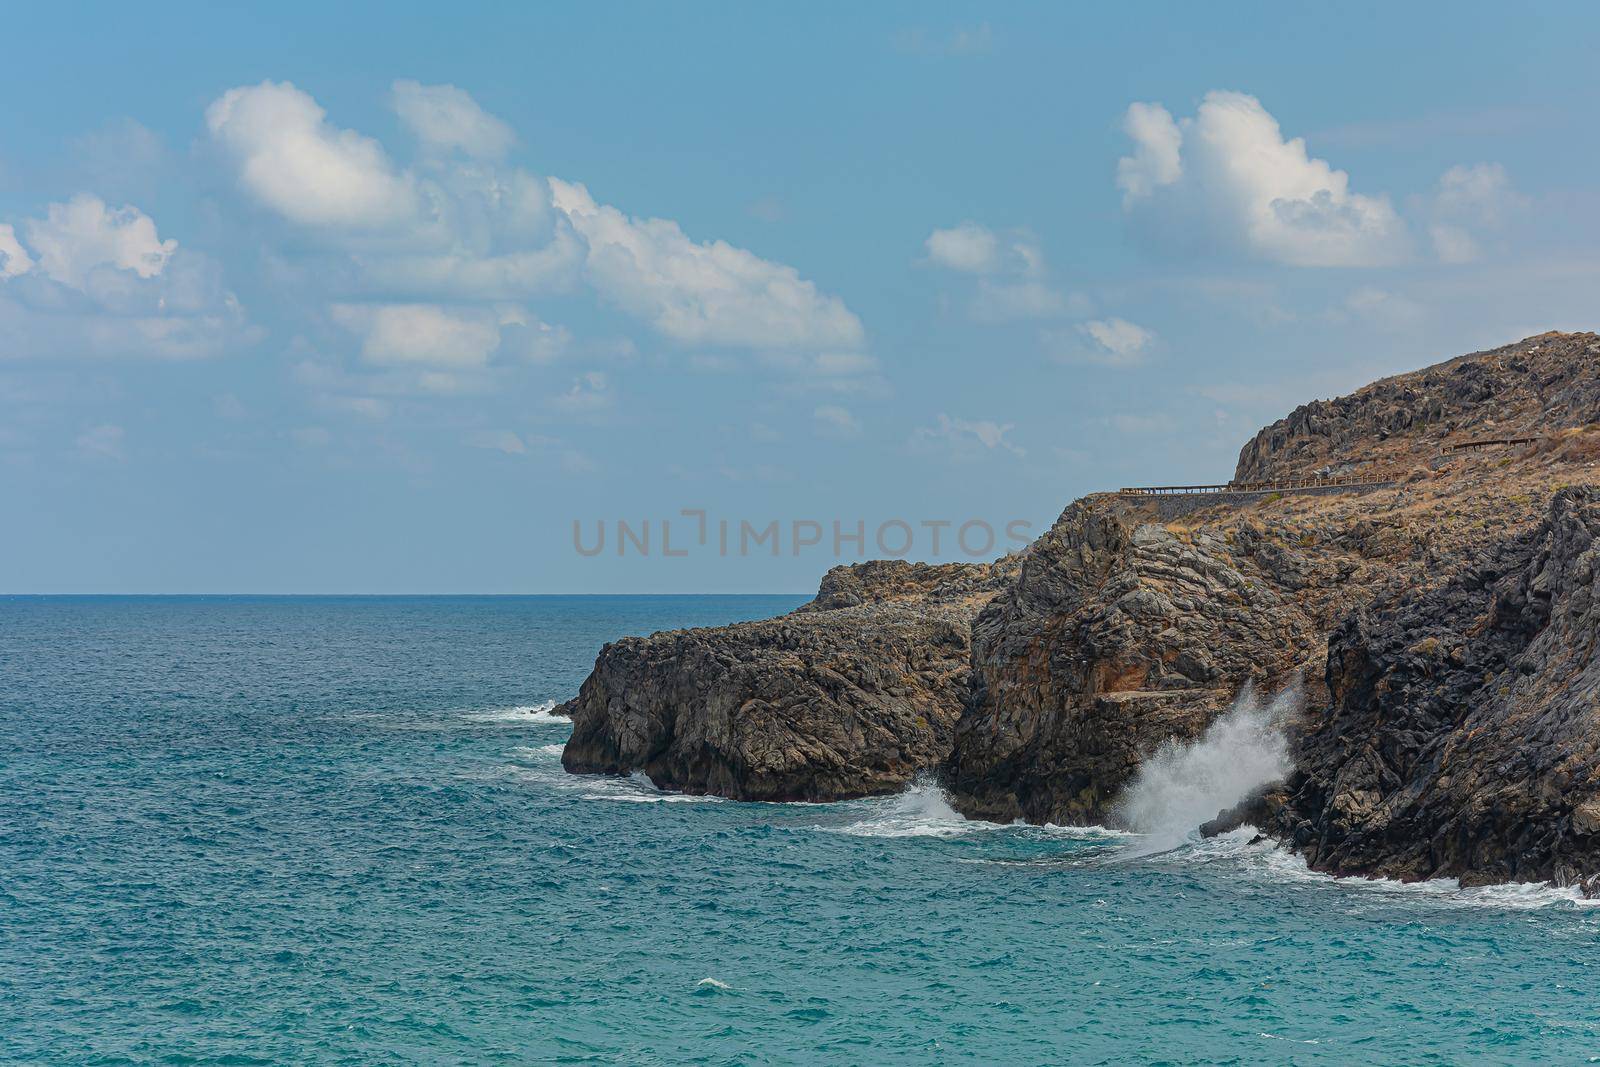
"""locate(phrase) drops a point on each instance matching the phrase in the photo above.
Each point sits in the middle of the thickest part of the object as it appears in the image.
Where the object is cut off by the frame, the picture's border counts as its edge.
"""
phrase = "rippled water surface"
(337, 830)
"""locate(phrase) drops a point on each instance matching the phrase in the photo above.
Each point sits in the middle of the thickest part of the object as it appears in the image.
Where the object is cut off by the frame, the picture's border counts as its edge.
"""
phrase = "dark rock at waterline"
(853, 694)
(1464, 735)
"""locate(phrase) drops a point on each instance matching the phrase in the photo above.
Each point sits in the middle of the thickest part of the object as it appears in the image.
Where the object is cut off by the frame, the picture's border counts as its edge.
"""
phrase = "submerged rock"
(851, 695)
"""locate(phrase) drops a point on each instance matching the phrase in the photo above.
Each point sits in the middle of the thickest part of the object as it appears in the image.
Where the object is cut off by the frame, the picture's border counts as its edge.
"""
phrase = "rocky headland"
(1439, 618)
(852, 694)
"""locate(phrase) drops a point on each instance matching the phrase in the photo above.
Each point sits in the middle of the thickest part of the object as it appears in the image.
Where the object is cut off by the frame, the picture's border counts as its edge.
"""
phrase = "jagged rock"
(1116, 635)
(1121, 632)
(850, 695)
(1464, 734)
(1518, 390)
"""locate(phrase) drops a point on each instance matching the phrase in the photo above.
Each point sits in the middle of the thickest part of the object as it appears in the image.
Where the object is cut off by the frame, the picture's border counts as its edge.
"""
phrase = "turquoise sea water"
(241, 830)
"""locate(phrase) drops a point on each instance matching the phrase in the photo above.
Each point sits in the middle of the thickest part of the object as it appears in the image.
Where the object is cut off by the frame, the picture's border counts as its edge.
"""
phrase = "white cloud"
(420, 333)
(445, 118)
(14, 259)
(701, 293)
(1122, 340)
(965, 438)
(101, 282)
(967, 247)
(1012, 272)
(1228, 178)
(82, 234)
(835, 421)
(1155, 161)
(292, 160)
(464, 229)
(1481, 191)
(1468, 203)
(1109, 342)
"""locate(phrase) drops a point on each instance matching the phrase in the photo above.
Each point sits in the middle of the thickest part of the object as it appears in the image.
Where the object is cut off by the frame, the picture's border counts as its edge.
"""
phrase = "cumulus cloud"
(967, 247)
(701, 292)
(1109, 342)
(82, 234)
(1227, 179)
(94, 281)
(14, 259)
(445, 118)
(420, 333)
(465, 228)
(296, 163)
(1120, 339)
(1156, 146)
(1013, 282)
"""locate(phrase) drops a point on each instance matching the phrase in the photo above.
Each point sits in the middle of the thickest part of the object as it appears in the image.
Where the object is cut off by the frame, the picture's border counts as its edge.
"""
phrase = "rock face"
(1116, 635)
(1122, 631)
(1521, 389)
(1442, 626)
(851, 695)
(1463, 738)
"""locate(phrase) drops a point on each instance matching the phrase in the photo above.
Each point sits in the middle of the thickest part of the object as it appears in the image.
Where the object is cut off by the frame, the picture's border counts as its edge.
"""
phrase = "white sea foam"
(1266, 859)
(522, 715)
(712, 983)
(924, 810)
(921, 811)
(537, 753)
(1187, 783)
(637, 788)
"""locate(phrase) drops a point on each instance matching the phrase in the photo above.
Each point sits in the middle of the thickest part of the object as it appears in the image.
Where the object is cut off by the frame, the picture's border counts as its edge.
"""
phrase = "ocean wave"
(521, 715)
(540, 767)
(637, 788)
(924, 810)
(537, 753)
(1267, 858)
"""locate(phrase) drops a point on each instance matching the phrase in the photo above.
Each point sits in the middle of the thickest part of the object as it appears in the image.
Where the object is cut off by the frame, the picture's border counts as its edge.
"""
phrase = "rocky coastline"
(1441, 625)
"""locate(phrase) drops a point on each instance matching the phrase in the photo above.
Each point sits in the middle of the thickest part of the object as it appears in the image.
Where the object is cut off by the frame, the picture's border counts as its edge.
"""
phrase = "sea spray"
(1187, 783)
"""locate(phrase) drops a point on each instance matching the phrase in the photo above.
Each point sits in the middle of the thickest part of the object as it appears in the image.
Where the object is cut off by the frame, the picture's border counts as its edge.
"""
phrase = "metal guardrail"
(1289, 485)
(1278, 486)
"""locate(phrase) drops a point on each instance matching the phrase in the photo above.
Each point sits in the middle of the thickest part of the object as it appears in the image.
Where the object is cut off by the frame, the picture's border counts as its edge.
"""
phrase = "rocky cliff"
(852, 694)
(1463, 734)
(1441, 626)
(1122, 631)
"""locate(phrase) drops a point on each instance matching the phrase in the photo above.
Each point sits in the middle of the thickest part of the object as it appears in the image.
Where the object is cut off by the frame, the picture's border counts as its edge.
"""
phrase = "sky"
(394, 298)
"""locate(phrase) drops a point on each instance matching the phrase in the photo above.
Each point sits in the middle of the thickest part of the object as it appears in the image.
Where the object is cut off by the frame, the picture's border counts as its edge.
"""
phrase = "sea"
(240, 830)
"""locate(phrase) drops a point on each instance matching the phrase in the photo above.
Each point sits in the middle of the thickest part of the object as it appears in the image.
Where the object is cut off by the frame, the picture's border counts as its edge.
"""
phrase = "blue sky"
(375, 298)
